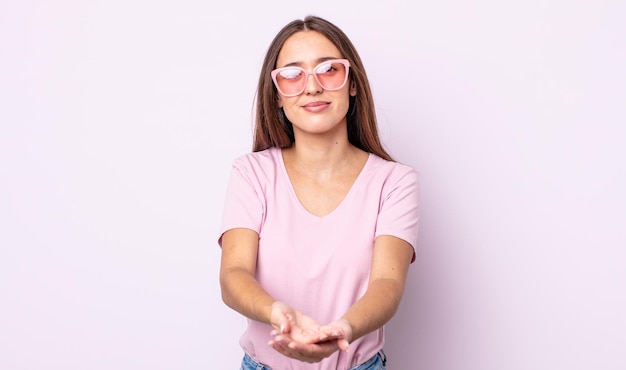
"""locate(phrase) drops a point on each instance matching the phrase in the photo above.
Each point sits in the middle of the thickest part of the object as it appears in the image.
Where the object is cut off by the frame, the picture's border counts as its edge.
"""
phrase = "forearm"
(241, 292)
(375, 308)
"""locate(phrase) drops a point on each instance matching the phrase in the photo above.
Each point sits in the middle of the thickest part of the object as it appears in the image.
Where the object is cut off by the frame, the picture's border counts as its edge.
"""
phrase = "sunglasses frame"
(307, 73)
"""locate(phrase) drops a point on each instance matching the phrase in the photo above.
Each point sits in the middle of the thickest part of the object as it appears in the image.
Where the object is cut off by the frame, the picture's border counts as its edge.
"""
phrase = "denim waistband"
(377, 362)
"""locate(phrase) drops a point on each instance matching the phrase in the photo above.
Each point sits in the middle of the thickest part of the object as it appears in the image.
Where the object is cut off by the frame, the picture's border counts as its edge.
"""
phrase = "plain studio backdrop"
(119, 121)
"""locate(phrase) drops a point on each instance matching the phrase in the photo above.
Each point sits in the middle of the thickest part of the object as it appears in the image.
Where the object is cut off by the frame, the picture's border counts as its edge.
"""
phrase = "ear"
(279, 101)
(352, 88)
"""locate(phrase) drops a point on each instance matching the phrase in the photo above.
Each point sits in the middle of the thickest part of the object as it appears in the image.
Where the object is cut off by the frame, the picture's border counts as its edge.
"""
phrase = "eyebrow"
(318, 61)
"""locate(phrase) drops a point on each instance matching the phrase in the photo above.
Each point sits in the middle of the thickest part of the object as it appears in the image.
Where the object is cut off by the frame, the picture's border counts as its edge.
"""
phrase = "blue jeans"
(375, 363)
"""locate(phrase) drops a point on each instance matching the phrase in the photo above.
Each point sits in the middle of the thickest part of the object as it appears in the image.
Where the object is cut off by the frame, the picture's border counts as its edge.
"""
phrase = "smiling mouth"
(315, 104)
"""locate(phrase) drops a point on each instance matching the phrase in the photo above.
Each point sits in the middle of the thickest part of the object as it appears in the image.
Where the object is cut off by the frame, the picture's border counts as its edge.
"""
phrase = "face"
(316, 110)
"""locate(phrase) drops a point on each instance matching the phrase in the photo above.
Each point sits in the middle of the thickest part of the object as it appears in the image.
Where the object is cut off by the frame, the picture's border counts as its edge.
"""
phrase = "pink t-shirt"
(318, 265)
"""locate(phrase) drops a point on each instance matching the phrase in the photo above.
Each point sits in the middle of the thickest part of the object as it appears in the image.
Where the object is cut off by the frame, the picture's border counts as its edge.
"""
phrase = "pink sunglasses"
(330, 75)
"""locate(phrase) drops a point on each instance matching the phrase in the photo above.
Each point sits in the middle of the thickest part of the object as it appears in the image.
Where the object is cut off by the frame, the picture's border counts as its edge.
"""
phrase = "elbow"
(231, 282)
(392, 292)
(227, 298)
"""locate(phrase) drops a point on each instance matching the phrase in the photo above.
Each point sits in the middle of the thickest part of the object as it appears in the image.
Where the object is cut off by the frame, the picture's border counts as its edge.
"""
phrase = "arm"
(390, 264)
(242, 292)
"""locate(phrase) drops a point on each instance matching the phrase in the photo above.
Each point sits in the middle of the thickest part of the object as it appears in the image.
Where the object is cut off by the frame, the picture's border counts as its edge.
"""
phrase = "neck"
(322, 156)
(327, 155)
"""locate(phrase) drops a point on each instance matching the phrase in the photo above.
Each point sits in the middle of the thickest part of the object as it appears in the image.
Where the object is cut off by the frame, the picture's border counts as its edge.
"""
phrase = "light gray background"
(119, 121)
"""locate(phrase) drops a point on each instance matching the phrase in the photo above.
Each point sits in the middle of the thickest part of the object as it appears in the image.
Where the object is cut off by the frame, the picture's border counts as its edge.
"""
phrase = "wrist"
(278, 311)
(346, 327)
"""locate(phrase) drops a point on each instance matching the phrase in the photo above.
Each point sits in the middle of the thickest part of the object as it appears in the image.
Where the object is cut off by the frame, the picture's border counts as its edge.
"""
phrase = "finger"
(286, 342)
(285, 350)
(277, 346)
(306, 337)
(331, 333)
(315, 350)
(343, 344)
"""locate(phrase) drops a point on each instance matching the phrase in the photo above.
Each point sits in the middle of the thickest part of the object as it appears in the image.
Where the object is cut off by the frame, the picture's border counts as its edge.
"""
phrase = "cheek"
(343, 105)
(289, 109)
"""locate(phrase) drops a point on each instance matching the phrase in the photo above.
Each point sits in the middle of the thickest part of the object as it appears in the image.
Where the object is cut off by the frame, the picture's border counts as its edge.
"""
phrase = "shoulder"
(260, 168)
(258, 160)
(391, 172)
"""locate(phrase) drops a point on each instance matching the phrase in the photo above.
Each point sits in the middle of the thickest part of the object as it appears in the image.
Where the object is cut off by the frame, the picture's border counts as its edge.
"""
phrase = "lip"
(316, 106)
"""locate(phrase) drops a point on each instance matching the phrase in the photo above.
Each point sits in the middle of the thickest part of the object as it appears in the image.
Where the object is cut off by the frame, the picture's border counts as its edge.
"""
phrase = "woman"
(319, 222)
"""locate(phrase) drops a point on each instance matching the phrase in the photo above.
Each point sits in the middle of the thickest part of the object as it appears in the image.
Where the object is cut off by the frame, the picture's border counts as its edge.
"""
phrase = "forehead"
(306, 47)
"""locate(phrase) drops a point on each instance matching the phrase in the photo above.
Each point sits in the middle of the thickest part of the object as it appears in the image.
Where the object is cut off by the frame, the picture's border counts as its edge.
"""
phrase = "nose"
(312, 86)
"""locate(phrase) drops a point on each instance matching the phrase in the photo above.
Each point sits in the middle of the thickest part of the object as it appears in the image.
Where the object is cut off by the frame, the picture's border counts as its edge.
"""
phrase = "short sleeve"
(244, 206)
(399, 210)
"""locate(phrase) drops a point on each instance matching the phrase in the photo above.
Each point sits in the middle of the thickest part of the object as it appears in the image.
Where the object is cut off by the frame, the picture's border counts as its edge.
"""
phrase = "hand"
(307, 352)
(332, 337)
(339, 330)
(298, 326)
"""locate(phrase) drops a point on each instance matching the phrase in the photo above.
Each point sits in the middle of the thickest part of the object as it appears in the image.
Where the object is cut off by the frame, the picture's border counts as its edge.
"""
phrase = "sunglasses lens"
(331, 75)
(290, 81)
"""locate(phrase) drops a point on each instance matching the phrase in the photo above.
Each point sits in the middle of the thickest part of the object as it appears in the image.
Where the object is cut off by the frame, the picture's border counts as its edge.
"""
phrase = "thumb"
(343, 344)
(285, 327)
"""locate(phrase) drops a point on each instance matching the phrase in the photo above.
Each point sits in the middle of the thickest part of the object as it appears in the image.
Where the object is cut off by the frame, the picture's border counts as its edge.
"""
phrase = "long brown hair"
(273, 129)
